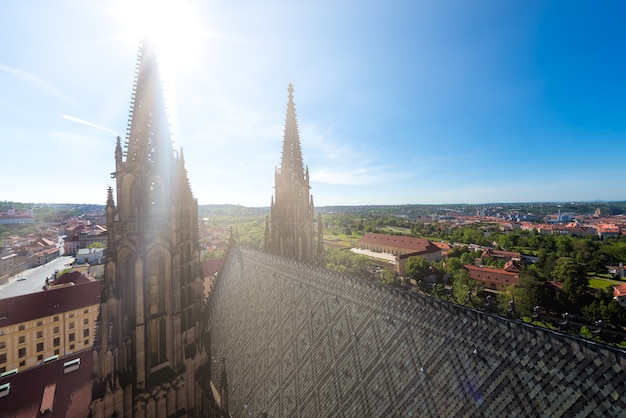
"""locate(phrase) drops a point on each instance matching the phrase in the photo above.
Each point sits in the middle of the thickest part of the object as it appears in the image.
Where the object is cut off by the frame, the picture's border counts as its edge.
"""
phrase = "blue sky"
(416, 102)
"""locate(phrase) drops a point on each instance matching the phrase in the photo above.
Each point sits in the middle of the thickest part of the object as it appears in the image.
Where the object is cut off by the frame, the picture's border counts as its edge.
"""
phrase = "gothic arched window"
(157, 309)
(157, 286)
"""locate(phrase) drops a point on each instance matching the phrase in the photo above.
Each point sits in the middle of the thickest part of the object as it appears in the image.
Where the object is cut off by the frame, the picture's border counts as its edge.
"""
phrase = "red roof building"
(506, 255)
(492, 278)
(619, 294)
(402, 247)
(396, 244)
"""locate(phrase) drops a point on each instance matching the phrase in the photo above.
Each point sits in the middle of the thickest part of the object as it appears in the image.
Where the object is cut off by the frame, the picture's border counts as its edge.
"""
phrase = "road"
(33, 280)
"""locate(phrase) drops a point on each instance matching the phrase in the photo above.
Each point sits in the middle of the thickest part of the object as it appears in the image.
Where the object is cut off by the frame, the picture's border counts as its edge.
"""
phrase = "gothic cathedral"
(148, 350)
(291, 230)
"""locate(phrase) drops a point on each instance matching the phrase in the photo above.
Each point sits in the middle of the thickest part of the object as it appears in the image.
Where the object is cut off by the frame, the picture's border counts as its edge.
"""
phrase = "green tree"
(457, 251)
(348, 262)
(574, 279)
(389, 277)
(464, 287)
(417, 268)
(532, 291)
(468, 258)
(563, 245)
(454, 265)
(605, 308)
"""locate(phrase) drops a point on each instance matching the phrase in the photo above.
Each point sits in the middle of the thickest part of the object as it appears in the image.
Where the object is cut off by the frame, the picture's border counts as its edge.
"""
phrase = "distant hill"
(208, 211)
(49, 210)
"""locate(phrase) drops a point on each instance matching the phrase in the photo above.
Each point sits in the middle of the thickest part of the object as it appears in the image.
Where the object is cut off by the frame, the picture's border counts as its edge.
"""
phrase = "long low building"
(402, 247)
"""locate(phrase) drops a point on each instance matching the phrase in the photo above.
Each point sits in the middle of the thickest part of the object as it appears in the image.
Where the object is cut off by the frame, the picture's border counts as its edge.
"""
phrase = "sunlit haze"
(421, 102)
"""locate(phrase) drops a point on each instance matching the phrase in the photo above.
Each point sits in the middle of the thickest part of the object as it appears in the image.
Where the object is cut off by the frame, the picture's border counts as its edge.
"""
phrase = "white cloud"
(86, 123)
(35, 81)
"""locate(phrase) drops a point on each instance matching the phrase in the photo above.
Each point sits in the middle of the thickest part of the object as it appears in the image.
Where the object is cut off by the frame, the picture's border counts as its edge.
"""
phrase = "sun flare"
(172, 25)
(174, 28)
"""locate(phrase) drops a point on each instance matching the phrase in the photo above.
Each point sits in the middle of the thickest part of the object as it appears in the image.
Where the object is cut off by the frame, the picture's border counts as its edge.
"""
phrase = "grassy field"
(596, 282)
(342, 240)
(395, 229)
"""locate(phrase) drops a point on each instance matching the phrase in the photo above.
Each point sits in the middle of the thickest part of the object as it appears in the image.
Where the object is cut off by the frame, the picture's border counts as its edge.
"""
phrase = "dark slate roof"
(53, 301)
(302, 341)
(211, 266)
(72, 394)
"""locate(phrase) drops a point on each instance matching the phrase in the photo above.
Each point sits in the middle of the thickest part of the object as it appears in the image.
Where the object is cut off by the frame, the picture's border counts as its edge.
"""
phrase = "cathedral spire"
(110, 202)
(291, 164)
(150, 312)
(148, 139)
(291, 229)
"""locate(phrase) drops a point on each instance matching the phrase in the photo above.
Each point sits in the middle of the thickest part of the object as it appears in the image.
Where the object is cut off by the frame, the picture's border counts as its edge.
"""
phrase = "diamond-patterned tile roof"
(301, 341)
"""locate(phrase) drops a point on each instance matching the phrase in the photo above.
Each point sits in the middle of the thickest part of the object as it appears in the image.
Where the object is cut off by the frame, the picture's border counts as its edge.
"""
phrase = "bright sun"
(173, 26)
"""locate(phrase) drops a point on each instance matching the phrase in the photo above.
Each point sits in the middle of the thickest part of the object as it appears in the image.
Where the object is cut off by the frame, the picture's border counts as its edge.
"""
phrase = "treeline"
(416, 211)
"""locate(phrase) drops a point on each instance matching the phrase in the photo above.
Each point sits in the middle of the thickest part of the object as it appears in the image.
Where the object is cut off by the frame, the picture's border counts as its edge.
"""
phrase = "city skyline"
(397, 103)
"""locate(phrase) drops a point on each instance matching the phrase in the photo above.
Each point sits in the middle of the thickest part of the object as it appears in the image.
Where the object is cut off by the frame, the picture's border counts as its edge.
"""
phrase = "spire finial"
(110, 197)
(290, 90)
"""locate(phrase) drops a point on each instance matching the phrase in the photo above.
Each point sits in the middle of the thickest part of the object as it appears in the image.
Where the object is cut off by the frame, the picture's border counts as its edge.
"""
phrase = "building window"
(3, 358)
(86, 342)
(158, 343)
(86, 321)
(39, 347)
(56, 330)
(57, 342)
(56, 318)
(71, 315)
(86, 310)
(56, 352)
(22, 363)
(40, 357)
(21, 352)
(72, 337)
(157, 287)
(71, 325)
(21, 339)
(71, 346)
(21, 328)
(86, 332)
(2, 345)
(39, 334)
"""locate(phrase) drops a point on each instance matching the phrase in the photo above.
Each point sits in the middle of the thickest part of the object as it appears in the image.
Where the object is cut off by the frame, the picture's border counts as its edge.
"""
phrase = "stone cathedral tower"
(291, 231)
(148, 347)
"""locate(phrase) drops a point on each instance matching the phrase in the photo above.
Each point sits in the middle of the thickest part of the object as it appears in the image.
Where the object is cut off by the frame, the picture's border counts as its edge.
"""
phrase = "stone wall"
(300, 341)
